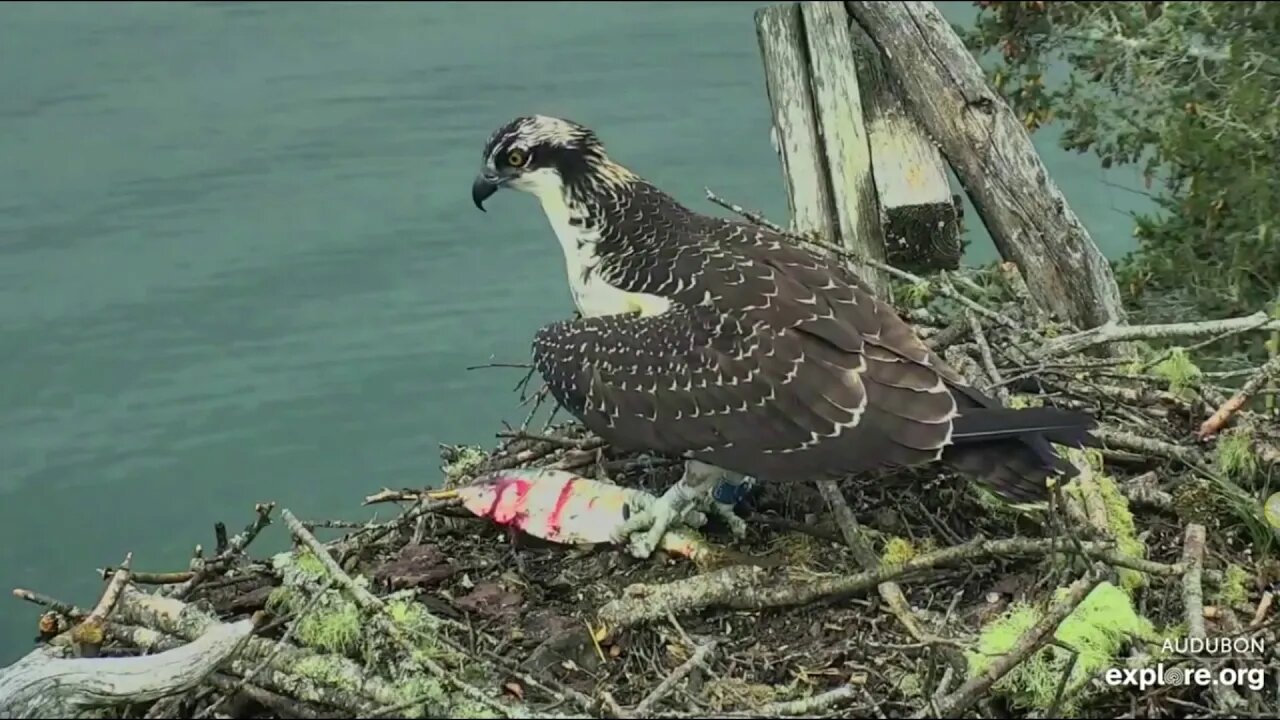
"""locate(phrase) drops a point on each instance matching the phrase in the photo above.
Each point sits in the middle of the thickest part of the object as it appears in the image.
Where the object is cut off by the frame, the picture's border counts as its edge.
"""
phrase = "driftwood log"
(65, 678)
(1028, 218)
(47, 683)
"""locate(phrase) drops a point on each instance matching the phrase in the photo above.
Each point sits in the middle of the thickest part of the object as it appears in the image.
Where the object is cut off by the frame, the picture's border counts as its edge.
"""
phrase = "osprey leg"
(684, 502)
(726, 495)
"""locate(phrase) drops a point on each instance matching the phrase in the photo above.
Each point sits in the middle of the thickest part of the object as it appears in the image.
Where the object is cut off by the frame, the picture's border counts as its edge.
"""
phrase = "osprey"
(745, 354)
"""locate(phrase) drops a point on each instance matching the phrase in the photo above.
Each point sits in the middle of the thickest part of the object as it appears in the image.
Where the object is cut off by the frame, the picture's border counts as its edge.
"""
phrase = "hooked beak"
(484, 186)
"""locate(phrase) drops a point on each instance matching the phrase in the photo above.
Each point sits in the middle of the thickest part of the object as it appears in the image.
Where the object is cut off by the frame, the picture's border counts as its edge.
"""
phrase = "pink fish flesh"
(553, 505)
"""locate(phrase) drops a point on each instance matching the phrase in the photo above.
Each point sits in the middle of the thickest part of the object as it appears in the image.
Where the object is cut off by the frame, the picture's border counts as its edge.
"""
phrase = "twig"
(1264, 605)
(1219, 419)
(153, 578)
(889, 591)
(1062, 681)
(1198, 346)
(748, 587)
(314, 525)
(1033, 639)
(611, 704)
(809, 706)
(220, 540)
(112, 594)
(54, 604)
(699, 657)
(988, 360)
(1122, 440)
(587, 443)
(365, 599)
(283, 706)
(1110, 333)
(517, 366)
(387, 495)
(235, 546)
(164, 622)
(87, 636)
(1192, 590)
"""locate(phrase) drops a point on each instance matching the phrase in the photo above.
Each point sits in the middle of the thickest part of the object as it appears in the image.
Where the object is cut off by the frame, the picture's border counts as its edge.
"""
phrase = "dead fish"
(563, 507)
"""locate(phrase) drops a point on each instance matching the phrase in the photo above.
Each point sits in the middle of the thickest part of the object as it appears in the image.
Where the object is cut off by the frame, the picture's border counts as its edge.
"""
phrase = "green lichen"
(1178, 370)
(467, 459)
(1120, 520)
(998, 507)
(1234, 590)
(910, 685)
(1095, 459)
(1173, 631)
(916, 295)
(430, 697)
(800, 549)
(1234, 455)
(1096, 490)
(333, 625)
(733, 692)
(416, 624)
(897, 551)
(1098, 630)
(427, 693)
(329, 670)
(409, 615)
(299, 567)
(464, 707)
(336, 627)
(1020, 401)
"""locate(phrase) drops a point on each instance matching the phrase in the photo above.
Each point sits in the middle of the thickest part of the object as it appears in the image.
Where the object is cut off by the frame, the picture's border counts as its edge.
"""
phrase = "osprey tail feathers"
(1010, 451)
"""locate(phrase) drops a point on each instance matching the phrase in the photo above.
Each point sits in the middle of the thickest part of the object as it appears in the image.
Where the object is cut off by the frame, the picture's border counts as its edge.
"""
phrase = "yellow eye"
(517, 158)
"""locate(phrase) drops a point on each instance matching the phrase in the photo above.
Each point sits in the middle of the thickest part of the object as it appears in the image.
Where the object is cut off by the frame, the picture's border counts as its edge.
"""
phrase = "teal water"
(239, 261)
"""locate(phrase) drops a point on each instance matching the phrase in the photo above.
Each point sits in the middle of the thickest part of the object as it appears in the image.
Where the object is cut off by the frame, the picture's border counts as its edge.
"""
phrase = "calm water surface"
(239, 262)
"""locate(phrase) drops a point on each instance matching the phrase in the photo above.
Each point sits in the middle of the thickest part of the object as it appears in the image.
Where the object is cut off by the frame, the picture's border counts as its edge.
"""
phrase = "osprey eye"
(517, 158)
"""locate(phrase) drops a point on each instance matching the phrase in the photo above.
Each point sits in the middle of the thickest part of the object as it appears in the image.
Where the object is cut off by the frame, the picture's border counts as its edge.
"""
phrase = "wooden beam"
(838, 106)
(921, 215)
(992, 155)
(780, 31)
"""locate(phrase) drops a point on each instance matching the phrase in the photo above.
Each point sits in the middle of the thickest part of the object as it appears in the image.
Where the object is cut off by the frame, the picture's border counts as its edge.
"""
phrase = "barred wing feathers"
(772, 363)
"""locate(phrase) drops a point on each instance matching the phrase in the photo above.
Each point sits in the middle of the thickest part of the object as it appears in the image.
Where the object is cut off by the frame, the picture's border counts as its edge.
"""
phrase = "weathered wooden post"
(992, 155)
(784, 53)
(822, 139)
(859, 170)
(921, 215)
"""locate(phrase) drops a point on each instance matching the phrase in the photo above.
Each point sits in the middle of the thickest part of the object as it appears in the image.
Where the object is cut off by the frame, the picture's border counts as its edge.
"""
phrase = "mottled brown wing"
(803, 398)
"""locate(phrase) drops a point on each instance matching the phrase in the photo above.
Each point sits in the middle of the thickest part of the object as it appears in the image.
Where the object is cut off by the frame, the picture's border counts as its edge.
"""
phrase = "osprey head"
(537, 154)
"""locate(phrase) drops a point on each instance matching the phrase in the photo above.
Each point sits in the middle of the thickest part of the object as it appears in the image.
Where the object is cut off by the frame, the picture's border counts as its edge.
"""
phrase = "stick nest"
(928, 597)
